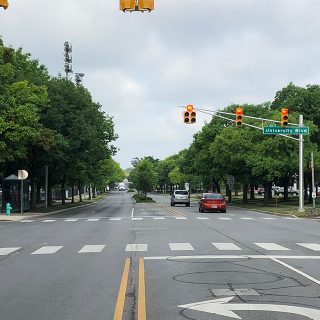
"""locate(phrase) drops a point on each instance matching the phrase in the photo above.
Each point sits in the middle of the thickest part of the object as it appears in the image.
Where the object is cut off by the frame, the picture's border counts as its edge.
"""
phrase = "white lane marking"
(158, 218)
(136, 247)
(297, 271)
(213, 257)
(5, 251)
(180, 218)
(71, 220)
(226, 246)
(47, 250)
(27, 221)
(93, 220)
(115, 219)
(136, 219)
(48, 220)
(269, 218)
(91, 248)
(221, 218)
(132, 212)
(311, 246)
(181, 246)
(291, 218)
(202, 218)
(246, 218)
(271, 246)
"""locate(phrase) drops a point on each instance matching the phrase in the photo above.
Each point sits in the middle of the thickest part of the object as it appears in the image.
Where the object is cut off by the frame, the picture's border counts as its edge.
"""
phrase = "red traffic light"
(239, 117)
(284, 116)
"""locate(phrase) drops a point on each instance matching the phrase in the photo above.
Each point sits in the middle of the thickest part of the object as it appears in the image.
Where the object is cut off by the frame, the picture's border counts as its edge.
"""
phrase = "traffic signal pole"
(301, 193)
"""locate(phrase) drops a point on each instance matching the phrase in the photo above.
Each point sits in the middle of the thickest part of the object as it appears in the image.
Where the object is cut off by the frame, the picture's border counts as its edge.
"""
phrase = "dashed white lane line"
(27, 221)
(202, 218)
(311, 246)
(246, 218)
(47, 250)
(5, 251)
(222, 218)
(180, 218)
(132, 212)
(136, 247)
(115, 219)
(226, 246)
(91, 248)
(48, 220)
(92, 220)
(71, 220)
(158, 218)
(181, 247)
(136, 219)
(271, 246)
(269, 218)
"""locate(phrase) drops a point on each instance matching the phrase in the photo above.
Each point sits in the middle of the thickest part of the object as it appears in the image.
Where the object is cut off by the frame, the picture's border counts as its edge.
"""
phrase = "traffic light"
(127, 5)
(4, 4)
(284, 117)
(189, 115)
(146, 5)
(239, 117)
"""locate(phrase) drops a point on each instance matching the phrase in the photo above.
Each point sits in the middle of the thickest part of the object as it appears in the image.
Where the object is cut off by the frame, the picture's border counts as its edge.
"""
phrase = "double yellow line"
(170, 210)
(142, 313)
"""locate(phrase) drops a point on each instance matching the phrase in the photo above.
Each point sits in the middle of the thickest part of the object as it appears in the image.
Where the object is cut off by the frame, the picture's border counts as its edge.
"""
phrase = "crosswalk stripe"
(115, 219)
(311, 246)
(202, 218)
(27, 221)
(93, 220)
(271, 246)
(181, 246)
(136, 247)
(48, 220)
(180, 218)
(222, 218)
(136, 219)
(91, 248)
(47, 250)
(71, 220)
(158, 218)
(226, 246)
(5, 251)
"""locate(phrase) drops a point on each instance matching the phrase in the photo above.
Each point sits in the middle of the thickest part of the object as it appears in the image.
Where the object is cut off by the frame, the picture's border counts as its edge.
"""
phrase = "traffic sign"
(286, 130)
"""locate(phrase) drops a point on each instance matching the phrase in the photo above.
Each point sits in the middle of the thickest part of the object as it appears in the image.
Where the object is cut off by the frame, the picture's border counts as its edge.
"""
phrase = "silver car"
(180, 196)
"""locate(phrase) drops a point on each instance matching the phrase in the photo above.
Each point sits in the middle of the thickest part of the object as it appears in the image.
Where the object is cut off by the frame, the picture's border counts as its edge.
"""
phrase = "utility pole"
(301, 193)
(314, 191)
(67, 59)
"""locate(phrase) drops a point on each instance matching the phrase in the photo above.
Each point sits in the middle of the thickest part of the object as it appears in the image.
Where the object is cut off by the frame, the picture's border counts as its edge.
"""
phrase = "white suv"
(180, 196)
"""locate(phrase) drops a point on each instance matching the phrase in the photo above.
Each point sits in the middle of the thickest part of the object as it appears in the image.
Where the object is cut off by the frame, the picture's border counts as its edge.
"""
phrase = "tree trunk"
(38, 194)
(90, 195)
(33, 192)
(72, 194)
(94, 192)
(252, 196)
(310, 188)
(305, 184)
(285, 189)
(80, 192)
(266, 194)
(245, 193)
(63, 192)
(50, 200)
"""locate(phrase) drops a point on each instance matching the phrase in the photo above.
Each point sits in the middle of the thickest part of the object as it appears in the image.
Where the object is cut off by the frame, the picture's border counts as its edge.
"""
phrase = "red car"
(212, 202)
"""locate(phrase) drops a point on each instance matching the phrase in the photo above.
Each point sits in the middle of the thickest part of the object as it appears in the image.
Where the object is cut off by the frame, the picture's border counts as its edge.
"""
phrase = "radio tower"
(67, 59)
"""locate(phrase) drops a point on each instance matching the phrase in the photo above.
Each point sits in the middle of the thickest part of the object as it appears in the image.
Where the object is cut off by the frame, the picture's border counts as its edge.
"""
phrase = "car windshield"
(213, 196)
(184, 192)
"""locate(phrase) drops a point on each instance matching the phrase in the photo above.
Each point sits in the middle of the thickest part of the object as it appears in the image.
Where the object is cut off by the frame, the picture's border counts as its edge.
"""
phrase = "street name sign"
(286, 130)
(222, 307)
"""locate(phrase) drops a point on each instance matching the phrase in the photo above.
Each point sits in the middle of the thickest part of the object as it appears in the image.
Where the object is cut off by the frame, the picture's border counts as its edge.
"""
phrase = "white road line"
(246, 218)
(49, 220)
(91, 248)
(27, 221)
(132, 212)
(93, 220)
(158, 218)
(269, 218)
(136, 247)
(213, 257)
(311, 246)
(291, 218)
(271, 246)
(180, 218)
(297, 271)
(71, 220)
(202, 218)
(47, 250)
(221, 218)
(226, 246)
(115, 219)
(5, 251)
(136, 219)
(181, 246)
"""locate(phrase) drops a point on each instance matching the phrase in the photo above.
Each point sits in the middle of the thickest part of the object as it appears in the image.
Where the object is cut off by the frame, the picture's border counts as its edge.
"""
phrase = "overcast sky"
(141, 66)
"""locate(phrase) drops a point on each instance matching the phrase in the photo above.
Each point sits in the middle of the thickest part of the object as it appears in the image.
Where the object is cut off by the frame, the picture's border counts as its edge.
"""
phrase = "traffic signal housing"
(189, 115)
(284, 117)
(127, 5)
(239, 117)
(4, 4)
(146, 5)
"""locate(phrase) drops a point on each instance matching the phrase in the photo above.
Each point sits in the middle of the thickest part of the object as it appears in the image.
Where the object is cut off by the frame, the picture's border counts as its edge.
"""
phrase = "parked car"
(212, 202)
(180, 197)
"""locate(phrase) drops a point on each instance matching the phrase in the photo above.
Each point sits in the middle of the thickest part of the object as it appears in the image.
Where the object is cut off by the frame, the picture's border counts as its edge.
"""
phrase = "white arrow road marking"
(223, 308)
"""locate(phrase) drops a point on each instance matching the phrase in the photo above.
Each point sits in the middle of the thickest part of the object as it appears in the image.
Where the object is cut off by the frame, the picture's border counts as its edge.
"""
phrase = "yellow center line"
(171, 210)
(142, 314)
(118, 312)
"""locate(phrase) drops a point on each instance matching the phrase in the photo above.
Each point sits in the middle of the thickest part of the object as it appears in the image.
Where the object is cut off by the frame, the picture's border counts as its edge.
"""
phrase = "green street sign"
(286, 130)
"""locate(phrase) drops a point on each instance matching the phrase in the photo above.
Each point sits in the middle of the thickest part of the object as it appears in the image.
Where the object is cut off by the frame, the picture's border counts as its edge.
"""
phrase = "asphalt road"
(119, 260)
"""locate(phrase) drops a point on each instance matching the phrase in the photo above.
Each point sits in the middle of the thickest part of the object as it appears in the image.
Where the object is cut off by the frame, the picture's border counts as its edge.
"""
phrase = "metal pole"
(46, 185)
(314, 193)
(22, 196)
(301, 192)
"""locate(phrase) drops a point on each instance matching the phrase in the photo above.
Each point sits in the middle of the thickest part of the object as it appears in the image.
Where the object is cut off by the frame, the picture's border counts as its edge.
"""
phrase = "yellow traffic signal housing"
(186, 117)
(193, 117)
(189, 115)
(239, 117)
(146, 5)
(127, 5)
(284, 117)
(4, 4)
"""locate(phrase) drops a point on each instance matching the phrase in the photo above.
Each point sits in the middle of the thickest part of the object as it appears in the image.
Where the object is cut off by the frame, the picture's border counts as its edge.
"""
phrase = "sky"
(142, 66)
